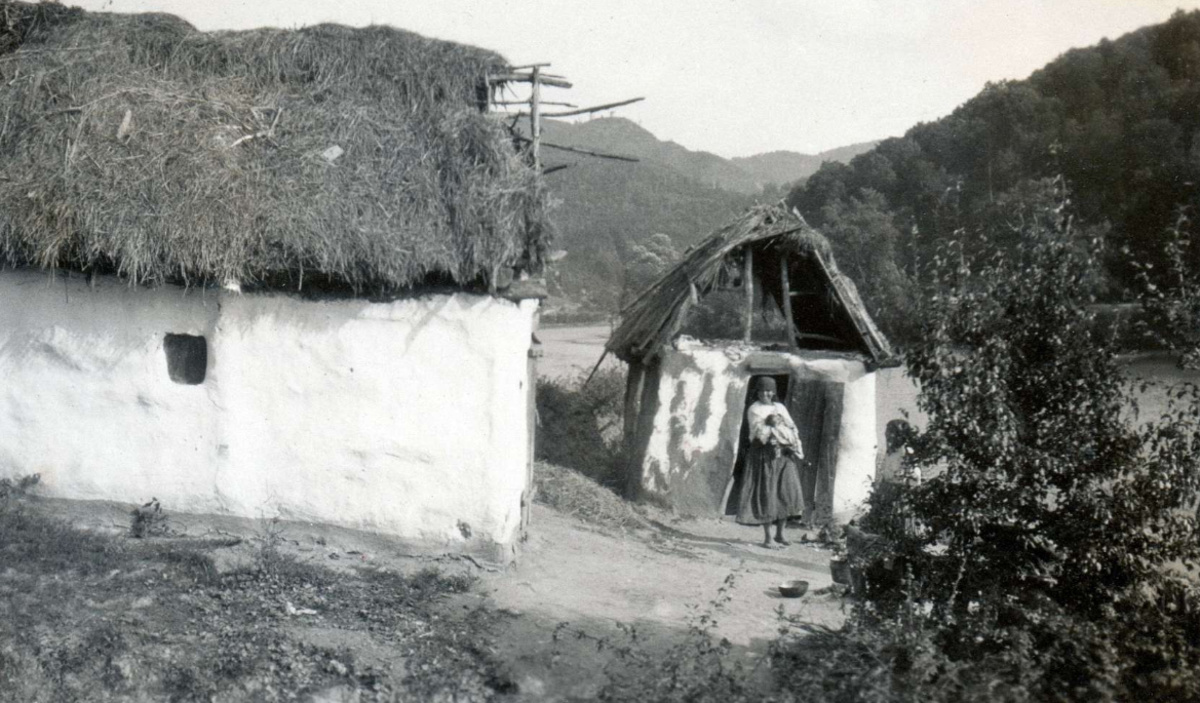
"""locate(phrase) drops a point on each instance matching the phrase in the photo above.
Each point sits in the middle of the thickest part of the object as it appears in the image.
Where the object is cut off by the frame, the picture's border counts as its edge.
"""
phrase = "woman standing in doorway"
(771, 492)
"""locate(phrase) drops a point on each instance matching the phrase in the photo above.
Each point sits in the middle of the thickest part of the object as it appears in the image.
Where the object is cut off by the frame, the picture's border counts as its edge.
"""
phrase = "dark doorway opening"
(734, 489)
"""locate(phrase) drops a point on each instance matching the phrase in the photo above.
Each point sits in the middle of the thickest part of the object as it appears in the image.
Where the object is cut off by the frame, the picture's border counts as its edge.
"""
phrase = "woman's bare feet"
(782, 541)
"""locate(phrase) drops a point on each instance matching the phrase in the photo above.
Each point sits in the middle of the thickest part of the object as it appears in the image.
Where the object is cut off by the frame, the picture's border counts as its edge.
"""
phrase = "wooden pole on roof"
(596, 108)
(748, 284)
(535, 117)
(787, 300)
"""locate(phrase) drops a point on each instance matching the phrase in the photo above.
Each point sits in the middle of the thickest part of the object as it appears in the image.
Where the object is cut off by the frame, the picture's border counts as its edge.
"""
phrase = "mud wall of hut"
(690, 412)
(407, 418)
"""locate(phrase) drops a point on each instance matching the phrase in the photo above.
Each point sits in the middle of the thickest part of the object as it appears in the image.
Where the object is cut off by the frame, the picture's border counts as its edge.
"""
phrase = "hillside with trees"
(614, 218)
(786, 167)
(1118, 121)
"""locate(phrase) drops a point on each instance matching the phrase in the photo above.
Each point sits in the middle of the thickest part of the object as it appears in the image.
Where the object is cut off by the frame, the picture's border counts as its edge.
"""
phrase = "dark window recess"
(187, 358)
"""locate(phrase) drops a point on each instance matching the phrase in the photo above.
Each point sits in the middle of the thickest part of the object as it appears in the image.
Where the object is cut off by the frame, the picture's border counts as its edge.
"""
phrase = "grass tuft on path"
(571, 493)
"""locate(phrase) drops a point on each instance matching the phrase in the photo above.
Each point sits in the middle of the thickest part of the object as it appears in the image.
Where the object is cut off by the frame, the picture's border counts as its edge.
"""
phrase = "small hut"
(686, 397)
(267, 273)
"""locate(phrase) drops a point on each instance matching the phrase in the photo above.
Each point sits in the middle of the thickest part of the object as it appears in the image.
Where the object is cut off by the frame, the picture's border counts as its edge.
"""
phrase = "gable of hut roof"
(654, 319)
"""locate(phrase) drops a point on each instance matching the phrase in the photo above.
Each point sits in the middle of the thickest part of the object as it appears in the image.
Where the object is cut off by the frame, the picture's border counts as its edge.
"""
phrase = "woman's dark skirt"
(770, 488)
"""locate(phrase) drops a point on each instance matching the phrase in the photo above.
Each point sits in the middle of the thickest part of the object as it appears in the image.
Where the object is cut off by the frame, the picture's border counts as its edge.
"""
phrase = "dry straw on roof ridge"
(655, 316)
(135, 144)
(653, 319)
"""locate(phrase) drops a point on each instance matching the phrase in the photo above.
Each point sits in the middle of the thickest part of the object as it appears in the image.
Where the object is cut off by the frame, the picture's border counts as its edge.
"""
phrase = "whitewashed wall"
(691, 448)
(406, 417)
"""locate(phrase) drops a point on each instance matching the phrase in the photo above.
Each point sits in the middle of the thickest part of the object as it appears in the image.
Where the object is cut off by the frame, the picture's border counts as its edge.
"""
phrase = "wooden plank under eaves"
(868, 332)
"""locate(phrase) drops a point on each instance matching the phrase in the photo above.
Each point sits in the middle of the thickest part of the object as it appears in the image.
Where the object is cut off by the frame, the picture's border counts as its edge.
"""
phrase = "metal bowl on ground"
(793, 589)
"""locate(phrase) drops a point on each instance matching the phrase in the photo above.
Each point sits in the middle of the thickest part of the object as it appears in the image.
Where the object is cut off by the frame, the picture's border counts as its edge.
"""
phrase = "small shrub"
(580, 426)
(11, 489)
(1171, 297)
(148, 520)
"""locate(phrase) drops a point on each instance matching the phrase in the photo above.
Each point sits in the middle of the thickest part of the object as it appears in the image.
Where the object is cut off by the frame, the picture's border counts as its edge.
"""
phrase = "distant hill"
(782, 167)
(748, 175)
(606, 206)
(617, 135)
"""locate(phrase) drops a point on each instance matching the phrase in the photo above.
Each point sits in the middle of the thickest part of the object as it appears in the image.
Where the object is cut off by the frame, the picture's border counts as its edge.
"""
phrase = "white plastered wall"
(693, 430)
(405, 417)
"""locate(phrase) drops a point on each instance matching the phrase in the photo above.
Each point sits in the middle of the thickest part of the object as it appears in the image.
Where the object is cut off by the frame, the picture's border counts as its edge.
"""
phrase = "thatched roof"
(359, 158)
(652, 321)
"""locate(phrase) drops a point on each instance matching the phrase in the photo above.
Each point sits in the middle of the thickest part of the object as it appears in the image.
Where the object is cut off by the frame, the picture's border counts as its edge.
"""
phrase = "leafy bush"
(1172, 306)
(1055, 524)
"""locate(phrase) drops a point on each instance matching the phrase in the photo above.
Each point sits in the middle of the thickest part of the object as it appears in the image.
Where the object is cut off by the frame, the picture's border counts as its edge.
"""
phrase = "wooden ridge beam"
(527, 78)
(597, 108)
(574, 150)
(527, 102)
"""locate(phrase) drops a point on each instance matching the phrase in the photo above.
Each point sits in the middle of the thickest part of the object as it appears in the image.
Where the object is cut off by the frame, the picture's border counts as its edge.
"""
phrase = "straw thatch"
(360, 158)
(651, 321)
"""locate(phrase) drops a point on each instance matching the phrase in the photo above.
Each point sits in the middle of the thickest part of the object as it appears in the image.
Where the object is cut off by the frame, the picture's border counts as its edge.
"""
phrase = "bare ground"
(554, 624)
(660, 580)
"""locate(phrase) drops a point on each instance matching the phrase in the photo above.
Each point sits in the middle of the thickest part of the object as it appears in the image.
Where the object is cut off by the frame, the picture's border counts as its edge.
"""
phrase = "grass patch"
(85, 617)
(571, 493)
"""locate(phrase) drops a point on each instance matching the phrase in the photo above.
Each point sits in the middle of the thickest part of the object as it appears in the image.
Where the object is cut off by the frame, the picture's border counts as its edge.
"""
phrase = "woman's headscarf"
(766, 383)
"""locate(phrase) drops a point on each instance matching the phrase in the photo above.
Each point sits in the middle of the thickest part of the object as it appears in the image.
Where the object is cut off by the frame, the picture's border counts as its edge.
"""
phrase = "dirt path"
(568, 571)
(658, 580)
(571, 579)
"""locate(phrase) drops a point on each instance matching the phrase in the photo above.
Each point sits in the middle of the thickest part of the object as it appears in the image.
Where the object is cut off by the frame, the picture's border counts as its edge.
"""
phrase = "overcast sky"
(737, 77)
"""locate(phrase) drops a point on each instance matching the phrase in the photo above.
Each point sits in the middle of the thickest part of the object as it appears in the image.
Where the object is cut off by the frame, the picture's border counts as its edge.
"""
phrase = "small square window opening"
(187, 358)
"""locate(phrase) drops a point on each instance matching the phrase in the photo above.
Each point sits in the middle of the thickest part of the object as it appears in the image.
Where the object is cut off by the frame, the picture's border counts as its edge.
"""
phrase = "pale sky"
(737, 77)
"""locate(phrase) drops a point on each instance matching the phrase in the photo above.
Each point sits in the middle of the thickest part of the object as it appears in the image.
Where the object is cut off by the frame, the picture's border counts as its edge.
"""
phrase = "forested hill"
(1119, 121)
(782, 167)
(607, 210)
(748, 175)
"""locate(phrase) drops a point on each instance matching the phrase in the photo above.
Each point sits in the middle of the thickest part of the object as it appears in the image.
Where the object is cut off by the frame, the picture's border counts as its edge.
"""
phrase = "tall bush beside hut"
(1052, 539)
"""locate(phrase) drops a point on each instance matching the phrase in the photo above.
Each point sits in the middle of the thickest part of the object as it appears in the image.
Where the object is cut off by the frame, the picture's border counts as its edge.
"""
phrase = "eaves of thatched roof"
(355, 158)
(652, 321)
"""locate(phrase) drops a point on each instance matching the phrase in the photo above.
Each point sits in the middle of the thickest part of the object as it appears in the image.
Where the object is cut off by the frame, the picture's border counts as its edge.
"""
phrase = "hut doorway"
(734, 486)
(816, 408)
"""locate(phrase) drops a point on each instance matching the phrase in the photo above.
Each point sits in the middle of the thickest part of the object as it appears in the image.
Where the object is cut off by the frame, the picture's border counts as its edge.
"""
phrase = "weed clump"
(148, 520)
(572, 493)
(10, 488)
(580, 425)
(700, 667)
